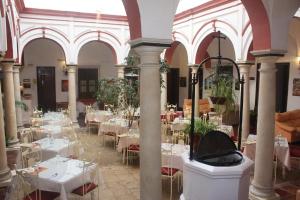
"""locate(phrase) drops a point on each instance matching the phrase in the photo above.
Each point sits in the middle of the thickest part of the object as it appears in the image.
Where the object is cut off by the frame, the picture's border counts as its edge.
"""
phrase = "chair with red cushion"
(90, 179)
(167, 170)
(41, 195)
(132, 150)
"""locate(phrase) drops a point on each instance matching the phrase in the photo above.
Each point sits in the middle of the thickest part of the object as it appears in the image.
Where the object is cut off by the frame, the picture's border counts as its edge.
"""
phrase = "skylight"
(188, 4)
(112, 7)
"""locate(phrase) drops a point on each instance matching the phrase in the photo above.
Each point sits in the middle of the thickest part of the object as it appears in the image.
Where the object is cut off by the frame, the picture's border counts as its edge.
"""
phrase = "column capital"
(7, 65)
(194, 68)
(16, 68)
(245, 66)
(120, 66)
(2, 54)
(71, 68)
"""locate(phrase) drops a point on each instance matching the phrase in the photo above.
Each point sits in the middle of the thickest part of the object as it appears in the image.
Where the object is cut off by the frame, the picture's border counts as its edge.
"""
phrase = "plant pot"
(218, 100)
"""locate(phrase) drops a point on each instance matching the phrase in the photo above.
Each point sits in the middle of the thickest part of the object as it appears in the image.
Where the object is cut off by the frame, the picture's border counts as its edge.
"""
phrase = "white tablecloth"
(177, 151)
(62, 175)
(126, 139)
(118, 126)
(179, 124)
(281, 146)
(98, 116)
(52, 147)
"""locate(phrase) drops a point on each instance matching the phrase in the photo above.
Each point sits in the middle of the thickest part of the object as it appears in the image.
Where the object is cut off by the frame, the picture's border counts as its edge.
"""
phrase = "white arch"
(208, 28)
(41, 32)
(126, 50)
(97, 36)
(247, 39)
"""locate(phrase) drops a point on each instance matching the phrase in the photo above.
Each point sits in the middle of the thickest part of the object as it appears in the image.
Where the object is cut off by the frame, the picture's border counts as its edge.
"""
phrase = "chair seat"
(134, 147)
(295, 151)
(168, 171)
(45, 195)
(84, 189)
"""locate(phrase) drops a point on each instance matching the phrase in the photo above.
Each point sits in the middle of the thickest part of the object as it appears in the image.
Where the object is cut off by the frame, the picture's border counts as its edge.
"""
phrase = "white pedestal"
(205, 182)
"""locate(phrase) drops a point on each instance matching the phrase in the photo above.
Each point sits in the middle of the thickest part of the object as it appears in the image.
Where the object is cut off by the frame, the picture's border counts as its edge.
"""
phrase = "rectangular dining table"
(62, 175)
(50, 147)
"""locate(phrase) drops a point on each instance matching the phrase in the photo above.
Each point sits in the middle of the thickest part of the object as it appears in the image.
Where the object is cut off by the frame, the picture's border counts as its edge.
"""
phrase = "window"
(87, 83)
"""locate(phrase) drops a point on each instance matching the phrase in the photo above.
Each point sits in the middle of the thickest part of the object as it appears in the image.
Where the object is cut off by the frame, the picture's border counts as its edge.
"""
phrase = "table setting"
(50, 147)
(61, 174)
(174, 152)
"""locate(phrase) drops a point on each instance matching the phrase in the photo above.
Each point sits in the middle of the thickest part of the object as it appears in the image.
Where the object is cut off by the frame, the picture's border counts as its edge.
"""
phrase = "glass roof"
(188, 4)
(112, 7)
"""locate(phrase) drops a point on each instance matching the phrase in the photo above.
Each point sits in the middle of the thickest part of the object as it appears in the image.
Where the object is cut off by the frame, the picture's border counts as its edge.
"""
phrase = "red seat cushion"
(168, 171)
(45, 195)
(84, 189)
(295, 150)
(110, 134)
(134, 147)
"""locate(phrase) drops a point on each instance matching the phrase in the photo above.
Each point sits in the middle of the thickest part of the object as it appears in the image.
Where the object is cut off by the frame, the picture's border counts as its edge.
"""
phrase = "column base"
(5, 177)
(12, 143)
(256, 193)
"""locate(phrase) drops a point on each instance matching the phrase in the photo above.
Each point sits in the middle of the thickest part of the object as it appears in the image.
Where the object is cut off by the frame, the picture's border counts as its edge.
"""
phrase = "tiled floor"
(120, 181)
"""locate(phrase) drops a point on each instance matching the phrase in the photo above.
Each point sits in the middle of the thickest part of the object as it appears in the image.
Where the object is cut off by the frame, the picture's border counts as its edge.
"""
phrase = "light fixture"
(298, 62)
(63, 65)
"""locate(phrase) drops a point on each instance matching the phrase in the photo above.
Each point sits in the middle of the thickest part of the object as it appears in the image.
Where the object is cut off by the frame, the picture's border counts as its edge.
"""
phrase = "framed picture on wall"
(26, 83)
(296, 87)
(64, 85)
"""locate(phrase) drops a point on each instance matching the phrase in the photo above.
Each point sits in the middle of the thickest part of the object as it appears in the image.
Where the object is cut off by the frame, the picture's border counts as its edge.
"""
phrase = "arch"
(260, 24)
(21, 61)
(250, 57)
(202, 49)
(182, 38)
(207, 30)
(48, 33)
(170, 51)
(9, 42)
(247, 41)
(100, 36)
(134, 19)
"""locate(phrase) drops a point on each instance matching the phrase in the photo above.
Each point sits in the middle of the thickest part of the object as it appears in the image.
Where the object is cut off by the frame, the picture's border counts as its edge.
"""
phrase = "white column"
(9, 102)
(244, 72)
(72, 92)
(120, 69)
(262, 187)
(5, 175)
(150, 138)
(164, 92)
(16, 74)
(194, 71)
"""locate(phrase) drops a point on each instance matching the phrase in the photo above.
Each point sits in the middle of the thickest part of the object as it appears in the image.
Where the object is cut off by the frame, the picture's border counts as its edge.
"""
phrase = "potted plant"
(201, 127)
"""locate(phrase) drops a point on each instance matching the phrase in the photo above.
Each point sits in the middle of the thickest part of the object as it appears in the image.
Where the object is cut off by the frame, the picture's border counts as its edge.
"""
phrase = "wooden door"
(46, 88)
(173, 86)
(282, 85)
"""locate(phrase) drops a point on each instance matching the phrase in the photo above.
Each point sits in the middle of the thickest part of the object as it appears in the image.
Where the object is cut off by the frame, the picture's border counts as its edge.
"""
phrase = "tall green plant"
(222, 87)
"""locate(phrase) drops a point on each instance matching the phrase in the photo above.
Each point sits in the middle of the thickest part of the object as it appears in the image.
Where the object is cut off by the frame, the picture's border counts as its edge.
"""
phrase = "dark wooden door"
(282, 84)
(46, 88)
(87, 82)
(200, 83)
(173, 86)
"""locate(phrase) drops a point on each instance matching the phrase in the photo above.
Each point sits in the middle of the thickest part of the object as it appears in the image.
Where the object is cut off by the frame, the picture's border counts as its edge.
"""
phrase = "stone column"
(164, 92)
(244, 72)
(5, 175)
(16, 74)
(194, 71)
(262, 187)
(120, 69)
(72, 92)
(150, 138)
(9, 102)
